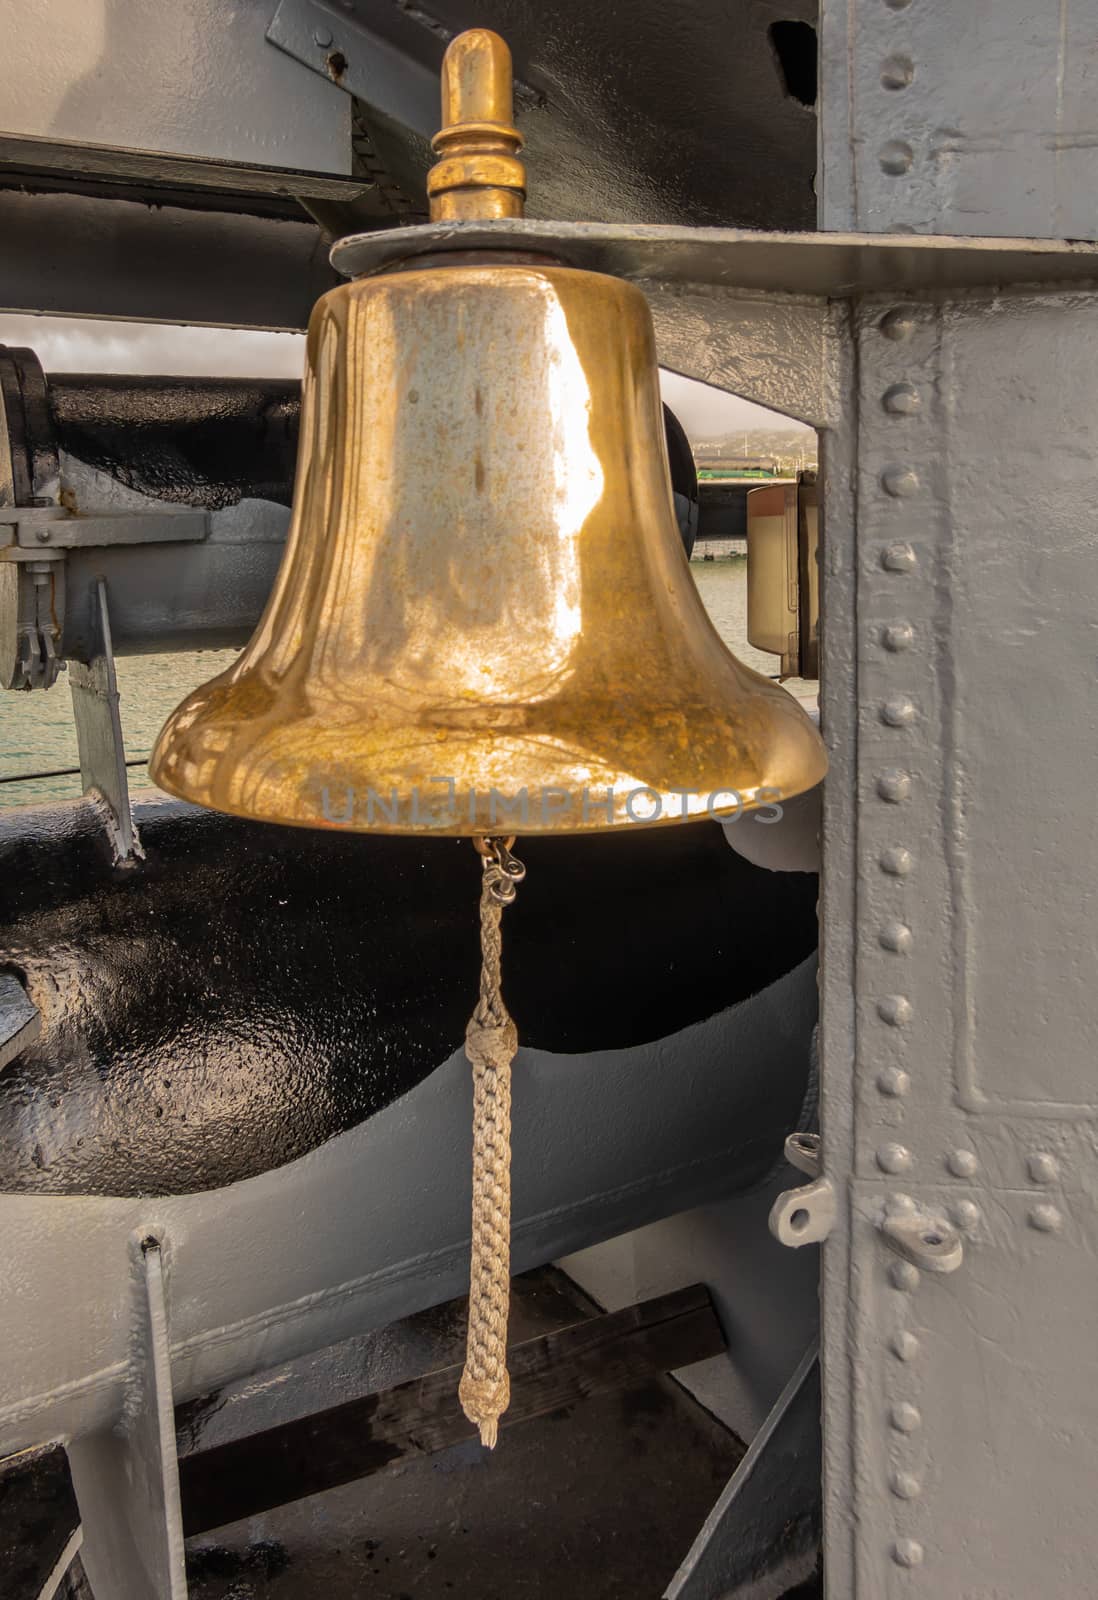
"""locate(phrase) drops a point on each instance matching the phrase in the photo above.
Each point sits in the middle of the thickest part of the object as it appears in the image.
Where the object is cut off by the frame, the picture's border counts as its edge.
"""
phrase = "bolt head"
(897, 72)
(899, 481)
(898, 558)
(898, 712)
(1046, 1219)
(966, 1214)
(897, 937)
(896, 157)
(901, 400)
(894, 785)
(897, 1011)
(897, 325)
(907, 1553)
(896, 861)
(1043, 1167)
(904, 1275)
(897, 636)
(894, 1158)
(905, 1417)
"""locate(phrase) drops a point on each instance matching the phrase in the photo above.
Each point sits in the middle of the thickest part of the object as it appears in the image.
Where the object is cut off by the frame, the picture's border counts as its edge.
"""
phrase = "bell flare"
(484, 621)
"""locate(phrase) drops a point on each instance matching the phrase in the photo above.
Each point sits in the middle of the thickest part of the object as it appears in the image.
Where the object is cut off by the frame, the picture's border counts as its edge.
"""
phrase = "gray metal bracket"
(921, 1235)
(94, 686)
(355, 58)
(804, 1215)
(127, 1481)
(763, 1534)
(55, 528)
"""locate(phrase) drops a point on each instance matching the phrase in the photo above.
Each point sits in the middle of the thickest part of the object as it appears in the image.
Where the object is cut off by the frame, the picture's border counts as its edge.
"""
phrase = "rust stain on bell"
(484, 621)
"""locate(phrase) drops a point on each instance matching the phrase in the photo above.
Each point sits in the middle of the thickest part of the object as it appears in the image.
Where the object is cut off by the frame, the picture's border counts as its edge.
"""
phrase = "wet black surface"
(249, 991)
(38, 1516)
(190, 441)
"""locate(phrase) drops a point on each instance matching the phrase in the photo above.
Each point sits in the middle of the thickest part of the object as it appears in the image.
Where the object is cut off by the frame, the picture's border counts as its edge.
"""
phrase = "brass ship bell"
(484, 623)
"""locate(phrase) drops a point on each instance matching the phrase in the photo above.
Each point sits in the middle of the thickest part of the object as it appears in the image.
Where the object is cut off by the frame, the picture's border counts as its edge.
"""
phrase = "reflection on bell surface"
(484, 621)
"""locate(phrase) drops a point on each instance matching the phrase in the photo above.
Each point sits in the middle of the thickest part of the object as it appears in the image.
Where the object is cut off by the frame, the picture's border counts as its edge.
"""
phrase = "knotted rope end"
(484, 1401)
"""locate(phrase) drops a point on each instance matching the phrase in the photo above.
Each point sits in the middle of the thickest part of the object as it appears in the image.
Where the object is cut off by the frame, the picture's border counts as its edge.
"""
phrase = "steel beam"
(159, 264)
(127, 1480)
(763, 1534)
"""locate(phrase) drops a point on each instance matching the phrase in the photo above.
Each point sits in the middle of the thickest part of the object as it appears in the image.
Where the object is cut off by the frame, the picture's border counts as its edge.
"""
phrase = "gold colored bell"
(484, 622)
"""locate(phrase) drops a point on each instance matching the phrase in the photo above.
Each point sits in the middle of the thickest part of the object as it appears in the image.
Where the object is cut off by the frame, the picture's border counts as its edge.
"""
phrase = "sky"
(70, 344)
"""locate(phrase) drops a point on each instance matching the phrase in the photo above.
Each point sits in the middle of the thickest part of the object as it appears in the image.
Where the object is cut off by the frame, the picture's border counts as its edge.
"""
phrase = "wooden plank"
(339, 1445)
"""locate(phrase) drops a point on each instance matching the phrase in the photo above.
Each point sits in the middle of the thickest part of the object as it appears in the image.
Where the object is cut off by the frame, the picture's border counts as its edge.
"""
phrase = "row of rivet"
(896, 157)
(893, 784)
(1042, 1167)
(893, 787)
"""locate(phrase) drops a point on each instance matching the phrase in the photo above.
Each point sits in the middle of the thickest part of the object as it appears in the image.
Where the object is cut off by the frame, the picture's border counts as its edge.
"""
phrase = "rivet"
(962, 1163)
(907, 1553)
(896, 861)
(904, 1417)
(896, 157)
(1043, 1167)
(898, 712)
(899, 481)
(905, 1346)
(1046, 1219)
(905, 1486)
(965, 1213)
(898, 558)
(893, 1082)
(894, 1158)
(901, 400)
(897, 325)
(42, 535)
(895, 936)
(322, 38)
(903, 1275)
(897, 72)
(897, 636)
(896, 1010)
(894, 785)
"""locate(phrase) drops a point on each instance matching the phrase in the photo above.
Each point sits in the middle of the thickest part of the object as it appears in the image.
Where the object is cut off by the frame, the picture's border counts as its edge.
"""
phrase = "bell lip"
(509, 825)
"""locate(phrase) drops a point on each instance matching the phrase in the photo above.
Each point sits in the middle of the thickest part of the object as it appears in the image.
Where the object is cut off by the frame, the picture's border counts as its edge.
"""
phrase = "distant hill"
(791, 450)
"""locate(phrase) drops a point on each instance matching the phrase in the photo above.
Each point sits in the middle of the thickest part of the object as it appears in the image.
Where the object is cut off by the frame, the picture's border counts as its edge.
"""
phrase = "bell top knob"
(478, 175)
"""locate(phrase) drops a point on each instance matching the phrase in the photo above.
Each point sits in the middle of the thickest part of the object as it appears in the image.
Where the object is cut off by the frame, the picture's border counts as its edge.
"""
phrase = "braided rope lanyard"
(491, 1040)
